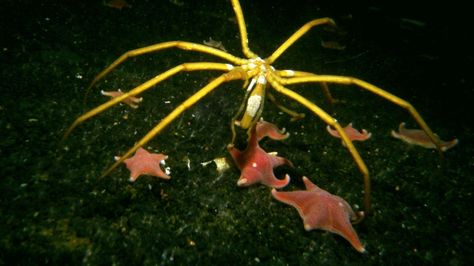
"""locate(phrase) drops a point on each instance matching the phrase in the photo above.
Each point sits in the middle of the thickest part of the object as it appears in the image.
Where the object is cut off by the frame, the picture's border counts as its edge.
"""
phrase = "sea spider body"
(261, 82)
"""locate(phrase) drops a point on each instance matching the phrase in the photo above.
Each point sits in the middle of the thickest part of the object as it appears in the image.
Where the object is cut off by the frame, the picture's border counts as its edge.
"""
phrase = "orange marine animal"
(420, 138)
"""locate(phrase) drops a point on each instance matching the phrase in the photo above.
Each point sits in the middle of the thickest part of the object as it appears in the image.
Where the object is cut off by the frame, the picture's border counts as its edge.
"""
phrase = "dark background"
(55, 210)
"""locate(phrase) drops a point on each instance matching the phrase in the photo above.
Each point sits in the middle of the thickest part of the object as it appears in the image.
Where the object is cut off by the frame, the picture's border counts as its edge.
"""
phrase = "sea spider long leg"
(332, 122)
(187, 46)
(373, 89)
(226, 77)
(145, 86)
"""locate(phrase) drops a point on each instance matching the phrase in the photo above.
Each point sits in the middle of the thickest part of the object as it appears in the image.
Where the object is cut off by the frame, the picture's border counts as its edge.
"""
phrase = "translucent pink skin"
(420, 138)
(267, 129)
(256, 165)
(351, 132)
(321, 210)
(131, 101)
(146, 163)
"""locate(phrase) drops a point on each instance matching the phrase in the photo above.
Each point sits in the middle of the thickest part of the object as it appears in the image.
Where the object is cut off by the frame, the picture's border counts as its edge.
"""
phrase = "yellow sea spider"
(261, 81)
